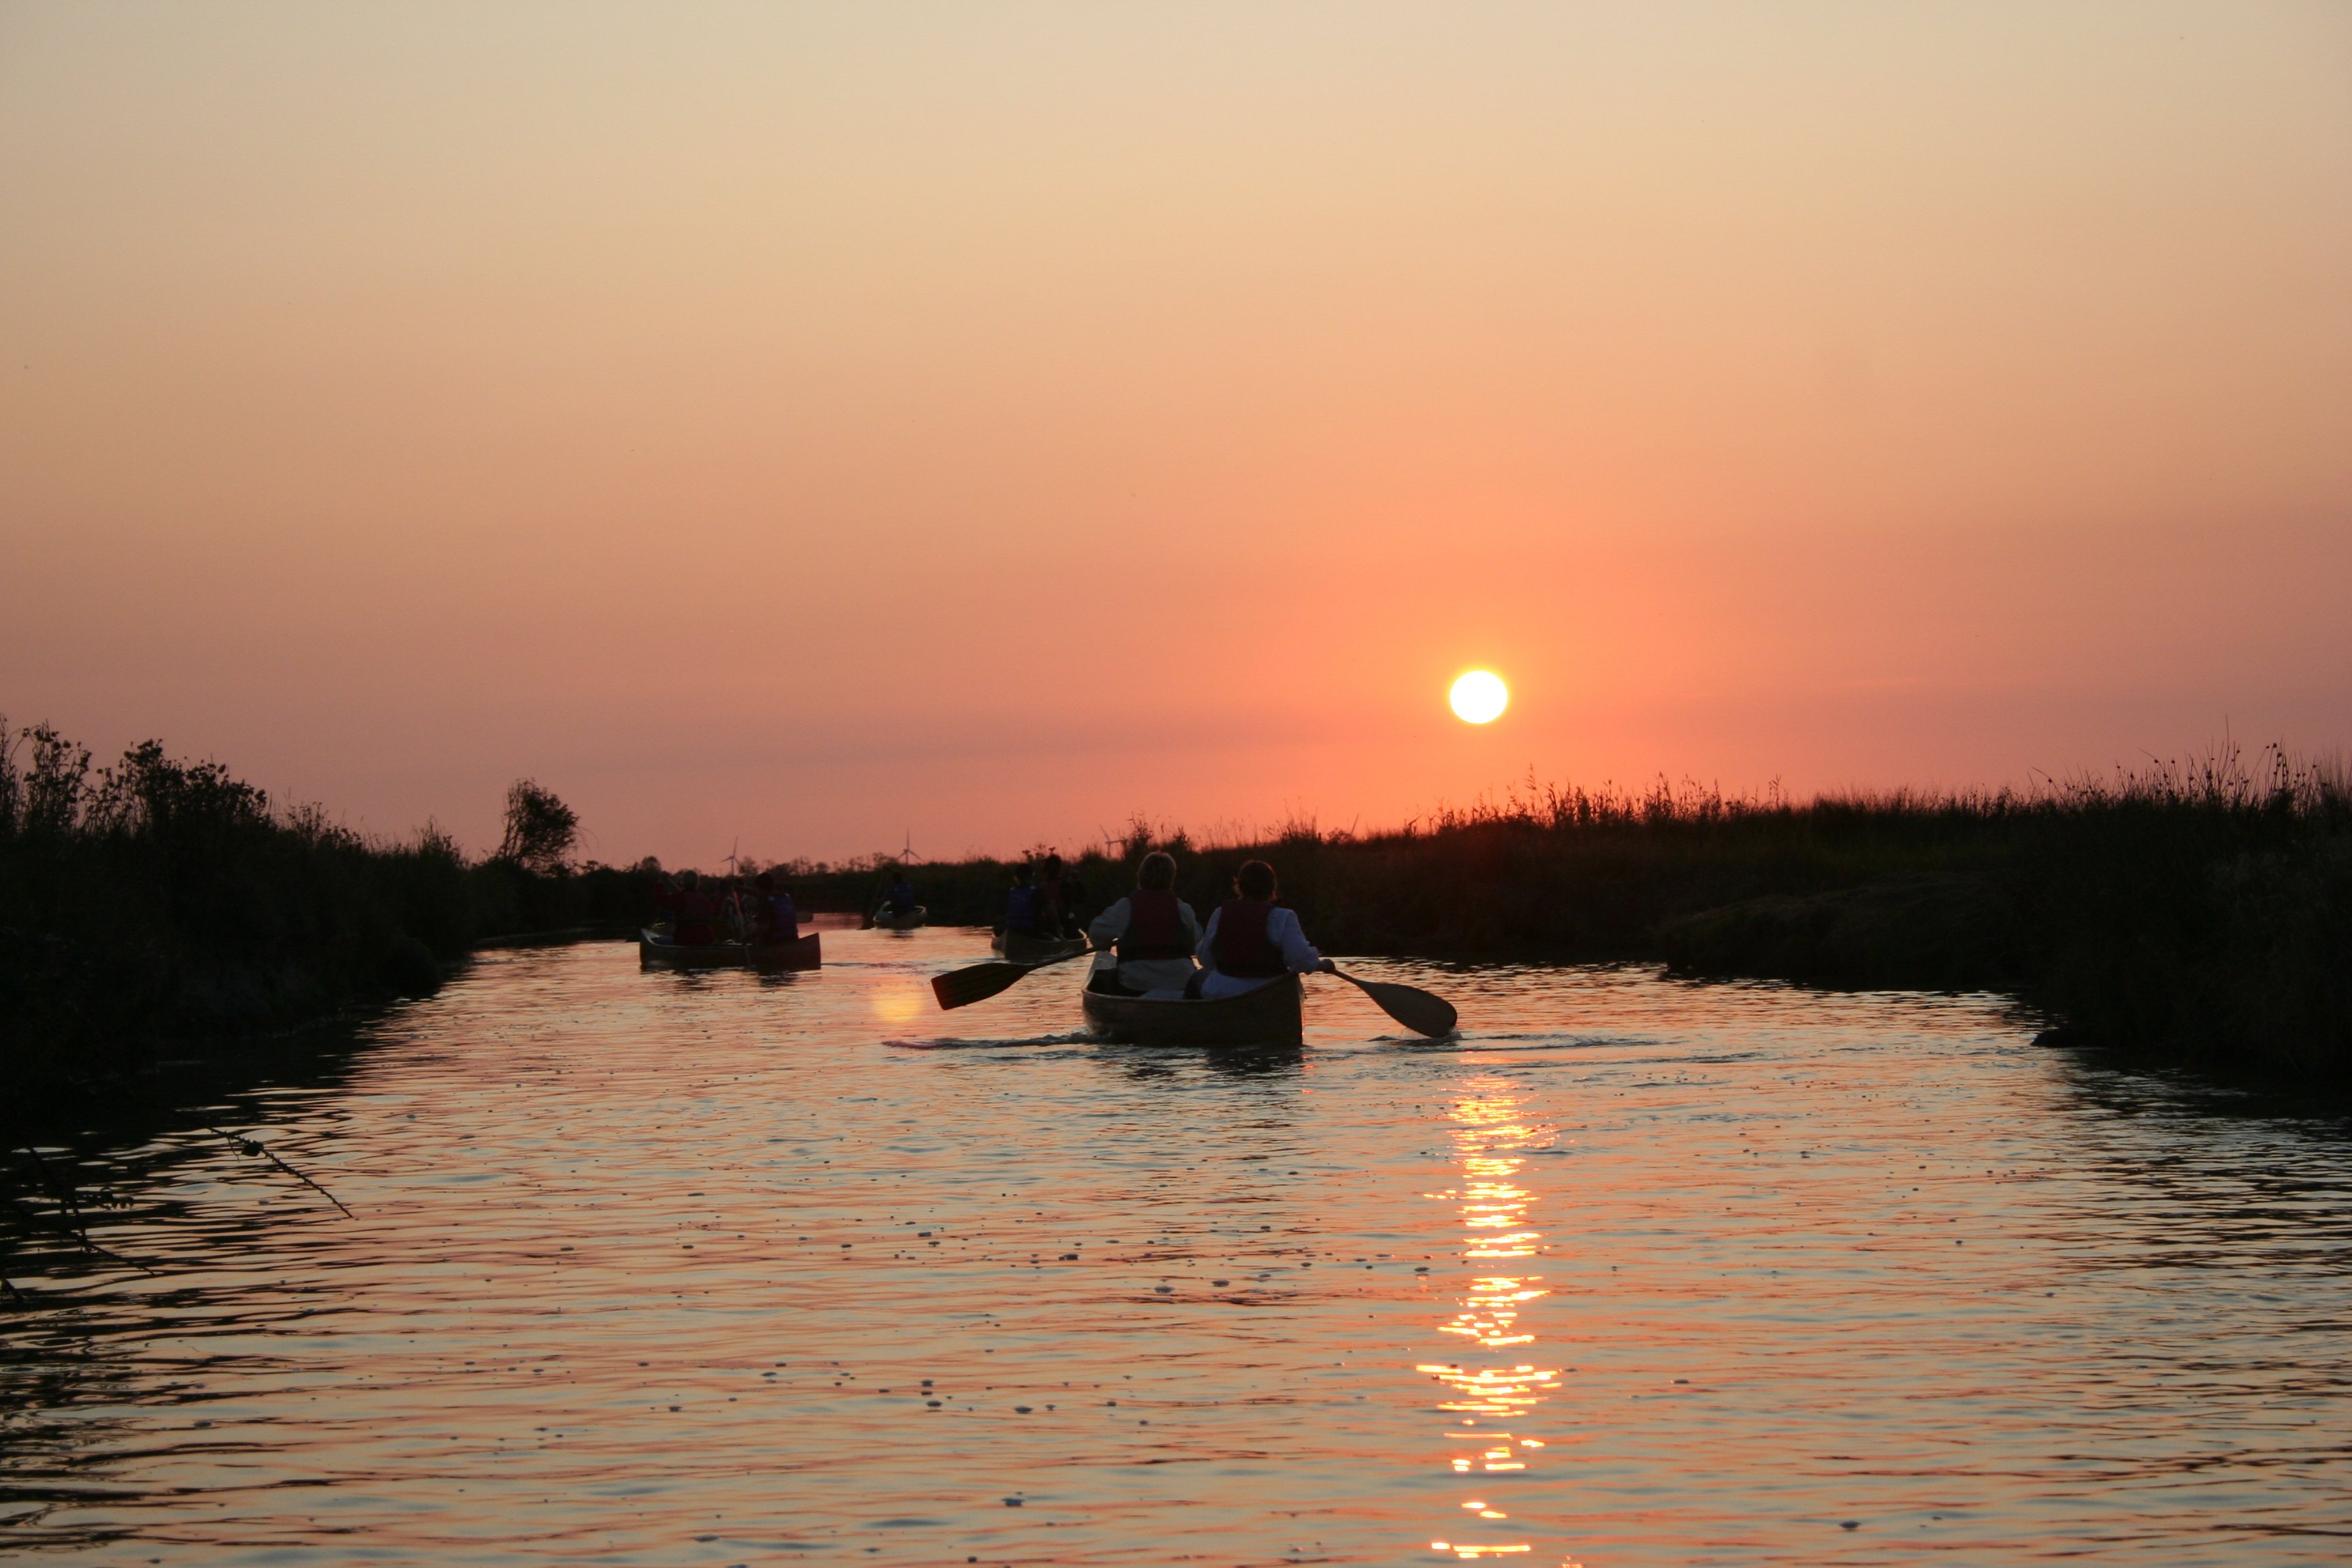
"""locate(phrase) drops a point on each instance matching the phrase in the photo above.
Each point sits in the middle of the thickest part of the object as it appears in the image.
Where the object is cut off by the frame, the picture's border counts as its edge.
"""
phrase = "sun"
(1479, 697)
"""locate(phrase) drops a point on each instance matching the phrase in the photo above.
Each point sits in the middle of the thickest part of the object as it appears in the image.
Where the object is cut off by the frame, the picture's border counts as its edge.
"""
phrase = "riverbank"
(2198, 914)
(2201, 914)
(156, 908)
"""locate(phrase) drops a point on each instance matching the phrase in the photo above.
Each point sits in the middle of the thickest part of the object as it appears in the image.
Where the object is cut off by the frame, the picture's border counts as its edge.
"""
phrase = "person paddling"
(1021, 904)
(773, 917)
(899, 902)
(1252, 941)
(1050, 909)
(694, 916)
(1152, 931)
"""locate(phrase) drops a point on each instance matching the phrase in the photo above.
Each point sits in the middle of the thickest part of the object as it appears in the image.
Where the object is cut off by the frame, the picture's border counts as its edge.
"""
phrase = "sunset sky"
(811, 426)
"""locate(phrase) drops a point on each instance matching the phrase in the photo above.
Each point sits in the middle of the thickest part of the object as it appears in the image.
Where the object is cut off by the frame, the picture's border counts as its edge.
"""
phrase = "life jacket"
(902, 898)
(1242, 949)
(783, 920)
(1020, 909)
(1155, 926)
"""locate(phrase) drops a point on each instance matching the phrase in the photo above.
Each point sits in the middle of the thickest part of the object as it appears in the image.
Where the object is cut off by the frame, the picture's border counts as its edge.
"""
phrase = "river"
(652, 1269)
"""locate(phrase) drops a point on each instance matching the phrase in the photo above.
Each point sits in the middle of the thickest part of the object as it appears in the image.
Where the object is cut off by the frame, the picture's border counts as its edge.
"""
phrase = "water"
(649, 1268)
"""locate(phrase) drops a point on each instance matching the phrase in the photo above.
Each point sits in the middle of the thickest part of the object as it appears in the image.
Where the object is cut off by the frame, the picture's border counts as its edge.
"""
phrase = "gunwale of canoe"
(1270, 1015)
(808, 953)
(1020, 947)
(907, 921)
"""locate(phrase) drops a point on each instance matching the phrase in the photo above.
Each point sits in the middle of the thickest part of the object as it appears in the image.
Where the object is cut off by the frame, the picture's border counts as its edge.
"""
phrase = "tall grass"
(2200, 909)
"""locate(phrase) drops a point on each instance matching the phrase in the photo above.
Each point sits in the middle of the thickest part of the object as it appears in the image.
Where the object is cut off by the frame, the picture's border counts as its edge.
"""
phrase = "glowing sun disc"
(1479, 697)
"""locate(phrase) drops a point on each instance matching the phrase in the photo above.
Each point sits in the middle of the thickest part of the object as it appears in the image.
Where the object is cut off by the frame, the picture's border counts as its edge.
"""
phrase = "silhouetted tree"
(541, 830)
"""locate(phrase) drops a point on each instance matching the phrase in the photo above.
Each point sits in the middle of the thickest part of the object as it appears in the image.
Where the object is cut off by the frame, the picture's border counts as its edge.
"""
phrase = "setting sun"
(1479, 697)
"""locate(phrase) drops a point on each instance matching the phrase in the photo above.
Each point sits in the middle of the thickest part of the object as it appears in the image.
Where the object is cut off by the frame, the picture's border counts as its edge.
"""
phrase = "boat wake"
(1498, 1043)
(964, 1045)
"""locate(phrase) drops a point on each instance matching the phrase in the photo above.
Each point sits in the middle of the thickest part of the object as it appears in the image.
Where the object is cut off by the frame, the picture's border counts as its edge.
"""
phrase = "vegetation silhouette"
(541, 830)
(156, 902)
(2198, 910)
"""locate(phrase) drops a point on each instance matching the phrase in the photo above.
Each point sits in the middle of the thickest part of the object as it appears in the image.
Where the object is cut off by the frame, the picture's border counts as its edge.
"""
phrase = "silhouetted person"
(694, 915)
(773, 917)
(1050, 909)
(1021, 904)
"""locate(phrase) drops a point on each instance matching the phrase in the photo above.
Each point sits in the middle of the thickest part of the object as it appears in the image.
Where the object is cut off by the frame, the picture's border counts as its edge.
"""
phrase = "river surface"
(652, 1269)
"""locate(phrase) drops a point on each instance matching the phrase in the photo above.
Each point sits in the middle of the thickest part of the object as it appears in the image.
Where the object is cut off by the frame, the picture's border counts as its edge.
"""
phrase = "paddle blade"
(962, 987)
(1416, 1009)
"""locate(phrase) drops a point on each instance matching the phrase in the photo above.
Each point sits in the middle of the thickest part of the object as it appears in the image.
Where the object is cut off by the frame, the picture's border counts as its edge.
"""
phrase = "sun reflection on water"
(897, 1006)
(1491, 1137)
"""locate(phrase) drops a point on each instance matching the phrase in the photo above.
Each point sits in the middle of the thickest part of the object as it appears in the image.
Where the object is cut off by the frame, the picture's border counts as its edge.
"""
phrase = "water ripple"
(664, 1270)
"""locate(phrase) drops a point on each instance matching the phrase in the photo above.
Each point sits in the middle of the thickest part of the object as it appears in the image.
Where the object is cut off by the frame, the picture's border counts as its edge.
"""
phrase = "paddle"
(1416, 1009)
(962, 987)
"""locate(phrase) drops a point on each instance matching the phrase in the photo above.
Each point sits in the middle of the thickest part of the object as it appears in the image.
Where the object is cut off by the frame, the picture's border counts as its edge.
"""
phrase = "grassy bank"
(156, 902)
(2198, 912)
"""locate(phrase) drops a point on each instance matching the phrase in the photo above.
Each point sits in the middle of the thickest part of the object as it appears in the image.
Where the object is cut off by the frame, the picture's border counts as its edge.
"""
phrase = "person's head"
(1053, 866)
(690, 881)
(765, 881)
(1254, 880)
(1021, 874)
(1158, 871)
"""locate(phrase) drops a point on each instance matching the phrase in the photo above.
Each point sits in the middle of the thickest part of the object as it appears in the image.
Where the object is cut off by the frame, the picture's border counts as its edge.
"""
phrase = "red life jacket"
(1242, 949)
(1155, 926)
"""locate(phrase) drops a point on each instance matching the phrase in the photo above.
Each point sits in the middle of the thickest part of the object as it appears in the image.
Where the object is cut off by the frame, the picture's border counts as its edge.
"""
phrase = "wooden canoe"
(655, 951)
(1020, 947)
(908, 921)
(1272, 1014)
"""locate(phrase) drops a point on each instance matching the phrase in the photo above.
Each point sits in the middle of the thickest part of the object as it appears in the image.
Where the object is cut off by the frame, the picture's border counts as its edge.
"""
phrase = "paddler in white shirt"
(1253, 941)
(1152, 931)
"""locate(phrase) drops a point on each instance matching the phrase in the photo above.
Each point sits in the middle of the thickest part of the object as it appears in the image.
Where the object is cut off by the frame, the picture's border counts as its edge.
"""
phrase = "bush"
(164, 900)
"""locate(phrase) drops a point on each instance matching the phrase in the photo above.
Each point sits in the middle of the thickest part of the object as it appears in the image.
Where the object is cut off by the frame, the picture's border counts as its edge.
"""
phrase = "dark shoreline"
(2202, 920)
(2198, 916)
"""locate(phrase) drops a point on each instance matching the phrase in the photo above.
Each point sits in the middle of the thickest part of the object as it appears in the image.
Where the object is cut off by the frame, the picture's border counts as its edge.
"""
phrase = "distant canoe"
(908, 921)
(655, 951)
(1021, 947)
(1272, 1014)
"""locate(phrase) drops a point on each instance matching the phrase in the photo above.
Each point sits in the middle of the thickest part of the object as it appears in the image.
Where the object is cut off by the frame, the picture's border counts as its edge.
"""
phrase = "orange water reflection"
(1491, 1137)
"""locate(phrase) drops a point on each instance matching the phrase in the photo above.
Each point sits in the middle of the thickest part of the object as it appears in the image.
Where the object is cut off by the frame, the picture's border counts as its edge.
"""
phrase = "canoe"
(907, 921)
(1023, 948)
(1272, 1015)
(656, 951)
(806, 952)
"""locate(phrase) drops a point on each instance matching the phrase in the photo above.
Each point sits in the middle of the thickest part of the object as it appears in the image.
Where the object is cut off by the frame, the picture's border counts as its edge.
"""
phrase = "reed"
(2198, 910)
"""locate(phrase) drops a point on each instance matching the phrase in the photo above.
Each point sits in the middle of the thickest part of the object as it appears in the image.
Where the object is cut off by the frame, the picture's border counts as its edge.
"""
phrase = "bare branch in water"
(88, 1246)
(62, 1194)
(254, 1146)
(72, 1224)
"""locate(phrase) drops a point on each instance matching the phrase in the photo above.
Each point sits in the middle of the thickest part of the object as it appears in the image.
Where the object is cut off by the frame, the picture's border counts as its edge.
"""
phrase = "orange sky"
(822, 425)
